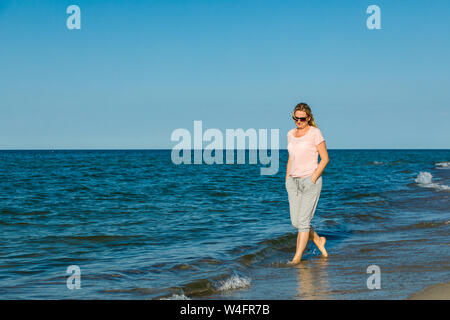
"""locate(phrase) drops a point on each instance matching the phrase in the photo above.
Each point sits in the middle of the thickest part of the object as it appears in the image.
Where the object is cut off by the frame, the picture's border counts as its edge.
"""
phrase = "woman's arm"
(322, 149)
(288, 167)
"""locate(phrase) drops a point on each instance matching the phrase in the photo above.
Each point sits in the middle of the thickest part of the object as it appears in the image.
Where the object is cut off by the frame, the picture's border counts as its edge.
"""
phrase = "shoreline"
(440, 291)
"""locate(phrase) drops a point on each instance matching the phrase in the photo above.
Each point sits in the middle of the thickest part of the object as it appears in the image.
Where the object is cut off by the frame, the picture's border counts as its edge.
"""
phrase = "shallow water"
(140, 227)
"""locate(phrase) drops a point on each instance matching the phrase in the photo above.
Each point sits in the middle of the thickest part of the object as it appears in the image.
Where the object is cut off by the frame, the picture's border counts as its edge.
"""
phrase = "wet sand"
(440, 291)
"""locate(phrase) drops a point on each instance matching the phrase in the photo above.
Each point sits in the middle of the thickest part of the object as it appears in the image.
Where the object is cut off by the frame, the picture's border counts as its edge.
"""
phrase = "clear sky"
(137, 70)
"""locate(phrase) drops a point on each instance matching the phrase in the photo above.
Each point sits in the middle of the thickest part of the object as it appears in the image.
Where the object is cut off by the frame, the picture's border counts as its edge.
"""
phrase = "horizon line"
(224, 149)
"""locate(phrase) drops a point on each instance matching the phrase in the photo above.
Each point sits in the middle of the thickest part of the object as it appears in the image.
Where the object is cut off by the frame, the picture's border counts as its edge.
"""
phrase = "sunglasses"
(302, 119)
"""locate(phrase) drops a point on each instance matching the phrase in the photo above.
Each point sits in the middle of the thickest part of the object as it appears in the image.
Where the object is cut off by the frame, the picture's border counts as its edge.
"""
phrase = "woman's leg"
(318, 241)
(302, 240)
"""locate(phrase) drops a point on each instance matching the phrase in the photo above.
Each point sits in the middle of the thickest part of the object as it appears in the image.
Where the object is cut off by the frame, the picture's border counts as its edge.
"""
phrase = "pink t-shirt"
(303, 152)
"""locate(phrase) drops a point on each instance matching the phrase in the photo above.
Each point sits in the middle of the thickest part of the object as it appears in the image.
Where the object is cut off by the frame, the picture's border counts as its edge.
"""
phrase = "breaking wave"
(233, 283)
(424, 179)
(443, 165)
(177, 297)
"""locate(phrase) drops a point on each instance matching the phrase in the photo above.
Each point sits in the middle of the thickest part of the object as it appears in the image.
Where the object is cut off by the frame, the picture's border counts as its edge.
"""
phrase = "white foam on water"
(443, 165)
(177, 297)
(424, 180)
(233, 283)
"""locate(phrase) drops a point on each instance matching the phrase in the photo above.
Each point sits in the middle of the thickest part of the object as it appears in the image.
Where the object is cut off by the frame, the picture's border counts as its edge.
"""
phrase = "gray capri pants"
(303, 196)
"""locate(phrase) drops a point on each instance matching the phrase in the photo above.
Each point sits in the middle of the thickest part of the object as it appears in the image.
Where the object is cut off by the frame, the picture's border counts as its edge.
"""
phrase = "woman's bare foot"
(294, 261)
(321, 246)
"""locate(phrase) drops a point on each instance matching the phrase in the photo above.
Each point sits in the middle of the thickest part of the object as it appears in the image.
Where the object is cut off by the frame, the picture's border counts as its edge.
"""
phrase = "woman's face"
(301, 124)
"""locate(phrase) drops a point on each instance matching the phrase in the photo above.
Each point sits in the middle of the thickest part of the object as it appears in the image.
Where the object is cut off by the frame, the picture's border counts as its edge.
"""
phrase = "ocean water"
(140, 227)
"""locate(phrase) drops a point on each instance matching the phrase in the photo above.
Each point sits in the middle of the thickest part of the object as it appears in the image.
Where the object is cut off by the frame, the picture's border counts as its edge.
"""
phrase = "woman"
(303, 177)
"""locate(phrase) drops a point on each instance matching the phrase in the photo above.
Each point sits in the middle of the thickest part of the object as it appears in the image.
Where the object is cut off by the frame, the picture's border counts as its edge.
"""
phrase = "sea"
(131, 224)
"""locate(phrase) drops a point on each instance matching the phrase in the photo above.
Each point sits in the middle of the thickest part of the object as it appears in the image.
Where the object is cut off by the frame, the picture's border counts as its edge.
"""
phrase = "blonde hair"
(304, 107)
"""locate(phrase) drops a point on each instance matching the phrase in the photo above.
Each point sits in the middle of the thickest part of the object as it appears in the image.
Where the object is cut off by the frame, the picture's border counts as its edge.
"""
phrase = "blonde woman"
(304, 177)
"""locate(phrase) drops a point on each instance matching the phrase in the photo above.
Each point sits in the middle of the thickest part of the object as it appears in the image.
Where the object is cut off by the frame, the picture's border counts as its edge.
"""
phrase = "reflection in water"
(313, 279)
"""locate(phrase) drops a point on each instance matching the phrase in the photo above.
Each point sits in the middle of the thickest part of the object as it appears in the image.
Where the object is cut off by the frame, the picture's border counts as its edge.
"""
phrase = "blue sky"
(137, 70)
